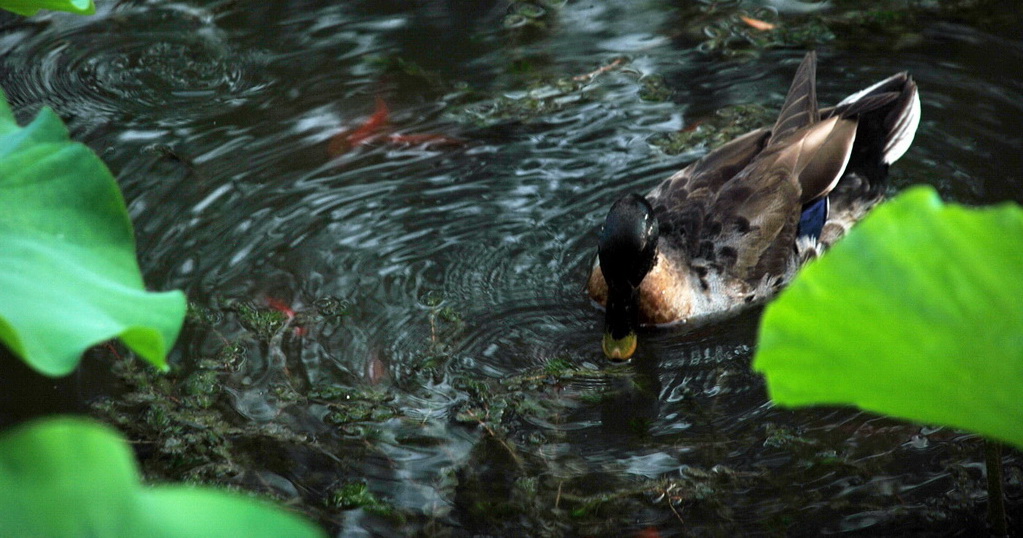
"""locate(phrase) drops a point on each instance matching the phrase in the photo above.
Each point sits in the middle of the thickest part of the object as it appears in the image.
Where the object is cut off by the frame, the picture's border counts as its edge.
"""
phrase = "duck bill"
(620, 324)
(619, 349)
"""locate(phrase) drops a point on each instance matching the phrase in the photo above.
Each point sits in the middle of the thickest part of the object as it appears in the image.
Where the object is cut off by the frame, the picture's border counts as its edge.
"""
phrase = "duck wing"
(759, 208)
(707, 176)
(684, 202)
(814, 147)
(753, 220)
(710, 172)
(736, 210)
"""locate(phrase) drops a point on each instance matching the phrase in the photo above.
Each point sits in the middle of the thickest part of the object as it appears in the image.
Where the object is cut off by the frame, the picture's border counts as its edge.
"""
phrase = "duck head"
(627, 250)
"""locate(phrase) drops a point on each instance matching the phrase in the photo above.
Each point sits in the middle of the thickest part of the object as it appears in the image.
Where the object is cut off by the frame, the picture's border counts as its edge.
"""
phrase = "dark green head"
(627, 249)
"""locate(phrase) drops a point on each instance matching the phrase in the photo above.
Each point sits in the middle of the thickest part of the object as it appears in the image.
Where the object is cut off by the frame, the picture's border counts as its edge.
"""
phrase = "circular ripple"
(165, 61)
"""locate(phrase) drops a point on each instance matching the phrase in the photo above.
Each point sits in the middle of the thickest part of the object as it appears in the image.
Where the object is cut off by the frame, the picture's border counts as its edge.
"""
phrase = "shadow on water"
(388, 327)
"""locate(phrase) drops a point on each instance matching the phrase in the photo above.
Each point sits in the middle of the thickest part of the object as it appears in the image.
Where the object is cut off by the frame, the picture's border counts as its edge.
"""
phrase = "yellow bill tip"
(621, 349)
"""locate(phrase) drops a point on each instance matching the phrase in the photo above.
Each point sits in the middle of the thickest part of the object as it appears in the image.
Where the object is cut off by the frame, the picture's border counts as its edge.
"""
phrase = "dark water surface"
(440, 285)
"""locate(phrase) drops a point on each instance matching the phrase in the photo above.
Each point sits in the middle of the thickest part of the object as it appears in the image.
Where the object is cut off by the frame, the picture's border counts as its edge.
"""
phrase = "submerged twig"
(493, 435)
(671, 505)
(600, 70)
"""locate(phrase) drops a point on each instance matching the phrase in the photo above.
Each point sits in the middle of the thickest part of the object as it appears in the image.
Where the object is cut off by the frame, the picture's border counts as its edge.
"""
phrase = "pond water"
(443, 372)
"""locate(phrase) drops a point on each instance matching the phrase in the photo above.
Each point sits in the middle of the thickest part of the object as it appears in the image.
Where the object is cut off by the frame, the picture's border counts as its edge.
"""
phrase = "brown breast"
(664, 294)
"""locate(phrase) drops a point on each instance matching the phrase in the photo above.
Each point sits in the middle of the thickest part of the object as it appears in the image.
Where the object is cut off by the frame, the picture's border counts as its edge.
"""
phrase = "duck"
(729, 230)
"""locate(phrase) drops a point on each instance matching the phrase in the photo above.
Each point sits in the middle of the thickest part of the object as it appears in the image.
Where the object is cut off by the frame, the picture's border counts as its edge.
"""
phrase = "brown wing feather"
(823, 155)
(715, 168)
(770, 208)
(783, 178)
(681, 201)
(740, 225)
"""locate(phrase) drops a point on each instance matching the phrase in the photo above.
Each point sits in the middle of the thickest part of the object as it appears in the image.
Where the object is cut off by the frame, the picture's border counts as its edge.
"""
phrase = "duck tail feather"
(887, 114)
(800, 108)
(901, 122)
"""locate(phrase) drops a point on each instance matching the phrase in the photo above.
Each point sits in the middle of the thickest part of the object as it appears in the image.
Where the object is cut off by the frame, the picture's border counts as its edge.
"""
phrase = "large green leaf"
(68, 275)
(72, 477)
(917, 314)
(31, 7)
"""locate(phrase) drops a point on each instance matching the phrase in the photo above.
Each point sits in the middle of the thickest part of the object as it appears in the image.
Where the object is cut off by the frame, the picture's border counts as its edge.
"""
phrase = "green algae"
(353, 495)
(708, 133)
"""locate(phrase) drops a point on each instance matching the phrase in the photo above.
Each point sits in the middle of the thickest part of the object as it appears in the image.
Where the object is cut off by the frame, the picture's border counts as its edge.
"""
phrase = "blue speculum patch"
(811, 221)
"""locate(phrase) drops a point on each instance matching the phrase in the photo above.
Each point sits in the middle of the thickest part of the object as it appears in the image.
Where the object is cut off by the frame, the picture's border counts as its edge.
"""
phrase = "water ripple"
(469, 261)
(168, 60)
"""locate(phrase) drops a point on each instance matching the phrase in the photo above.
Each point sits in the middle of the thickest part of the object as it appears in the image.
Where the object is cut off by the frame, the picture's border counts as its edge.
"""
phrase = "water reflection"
(438, 284)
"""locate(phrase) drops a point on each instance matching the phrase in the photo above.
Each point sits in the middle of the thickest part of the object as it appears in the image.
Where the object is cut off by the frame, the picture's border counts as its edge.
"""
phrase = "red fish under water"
(283, 308)
(372, 131)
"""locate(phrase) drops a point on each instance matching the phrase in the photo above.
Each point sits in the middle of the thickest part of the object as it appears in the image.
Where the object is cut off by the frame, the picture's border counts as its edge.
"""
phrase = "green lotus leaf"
(72, 477)
(68, 274)
(917, 314)
(31, 7)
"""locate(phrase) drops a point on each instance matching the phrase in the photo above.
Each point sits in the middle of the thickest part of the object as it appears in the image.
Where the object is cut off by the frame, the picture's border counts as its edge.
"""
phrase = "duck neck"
(622, 316)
